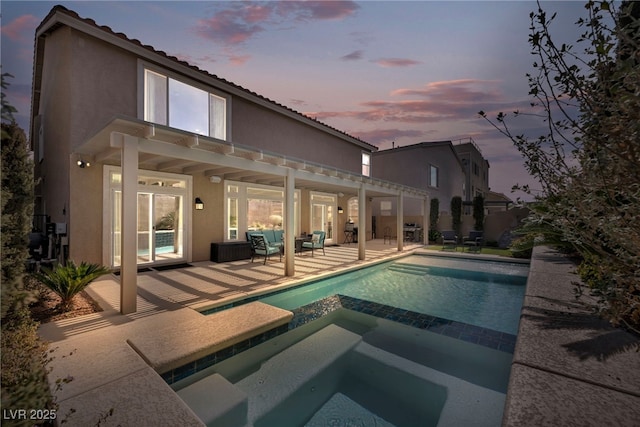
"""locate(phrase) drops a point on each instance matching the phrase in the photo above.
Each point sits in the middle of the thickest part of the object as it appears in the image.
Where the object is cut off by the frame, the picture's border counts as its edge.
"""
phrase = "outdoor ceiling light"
(199, 204)
(82, 164)
(215, 179)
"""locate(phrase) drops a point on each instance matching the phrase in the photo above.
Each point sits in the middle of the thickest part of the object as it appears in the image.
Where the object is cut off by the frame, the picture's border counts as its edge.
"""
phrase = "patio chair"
(349, 228)
(387, 235)
(473, 241)
(317, 242)
(260, 247)
(449, 240)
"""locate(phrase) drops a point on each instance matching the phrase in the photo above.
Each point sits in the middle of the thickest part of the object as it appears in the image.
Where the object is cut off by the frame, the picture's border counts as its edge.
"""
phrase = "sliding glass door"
(161, 219)
(323, 207)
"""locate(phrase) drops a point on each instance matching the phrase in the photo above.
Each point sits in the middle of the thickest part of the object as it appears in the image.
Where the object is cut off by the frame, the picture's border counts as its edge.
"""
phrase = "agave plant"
(70, 279)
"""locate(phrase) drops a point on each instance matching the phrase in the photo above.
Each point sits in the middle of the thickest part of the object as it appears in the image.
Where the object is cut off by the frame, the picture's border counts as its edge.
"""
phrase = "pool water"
(480, 293)
(352, 369)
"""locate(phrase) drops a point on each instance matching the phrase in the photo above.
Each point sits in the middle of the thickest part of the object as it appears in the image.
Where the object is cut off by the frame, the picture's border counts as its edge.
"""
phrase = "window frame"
(433, 168)
(143, 66)
(366, 166)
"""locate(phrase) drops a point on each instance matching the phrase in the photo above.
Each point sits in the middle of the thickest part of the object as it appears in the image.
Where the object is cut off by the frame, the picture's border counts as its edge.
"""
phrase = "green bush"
(434, 235)
(69, 280)
(456, 215)
(24, 356)
(478, 213)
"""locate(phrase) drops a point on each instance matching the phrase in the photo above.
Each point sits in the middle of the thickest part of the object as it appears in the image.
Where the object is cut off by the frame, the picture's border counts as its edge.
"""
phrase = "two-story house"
(143, 159)
(432, 166)
(476, 169)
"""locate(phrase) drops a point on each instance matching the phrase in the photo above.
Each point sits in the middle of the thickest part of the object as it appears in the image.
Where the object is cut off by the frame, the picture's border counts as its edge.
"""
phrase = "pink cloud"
(464, 90)
(239, 22)
(396, 62)
(439, 101)
(21, 28)
(316, 10)
(379, 136)
(229, 27)
(239, 60)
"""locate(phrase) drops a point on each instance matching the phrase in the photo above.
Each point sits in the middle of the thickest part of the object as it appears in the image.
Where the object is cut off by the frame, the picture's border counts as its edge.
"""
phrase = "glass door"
(161, 223)
(145, 228)
(323, 207)
(167, 230)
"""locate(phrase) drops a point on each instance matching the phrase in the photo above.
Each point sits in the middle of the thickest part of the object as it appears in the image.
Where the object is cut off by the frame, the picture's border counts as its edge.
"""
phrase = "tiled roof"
(89, 21)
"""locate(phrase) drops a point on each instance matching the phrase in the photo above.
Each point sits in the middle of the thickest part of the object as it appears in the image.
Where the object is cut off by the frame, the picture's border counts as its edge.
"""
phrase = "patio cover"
(135, 145)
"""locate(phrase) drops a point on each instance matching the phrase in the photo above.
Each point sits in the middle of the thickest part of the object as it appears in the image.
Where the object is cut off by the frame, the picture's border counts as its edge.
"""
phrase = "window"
(352, 210)
(366, 164)
(433, 176)
(256, 207)
(168, 101)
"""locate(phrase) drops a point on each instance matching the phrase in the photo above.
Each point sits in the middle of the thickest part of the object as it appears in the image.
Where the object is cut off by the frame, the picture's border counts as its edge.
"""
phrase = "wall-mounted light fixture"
(82, 164)
(215, 179)
(340, 210)
(199, 204)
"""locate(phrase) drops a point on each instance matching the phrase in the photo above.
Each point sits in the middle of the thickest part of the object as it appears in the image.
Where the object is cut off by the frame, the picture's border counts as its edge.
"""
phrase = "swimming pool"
(418, 341)
(481, 293)
(350, 368)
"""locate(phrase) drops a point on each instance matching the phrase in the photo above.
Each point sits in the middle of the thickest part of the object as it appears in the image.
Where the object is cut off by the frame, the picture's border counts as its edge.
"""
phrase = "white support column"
(289, 235)
(425, 220)
(362, 223)
(400, 221)
(128, 252)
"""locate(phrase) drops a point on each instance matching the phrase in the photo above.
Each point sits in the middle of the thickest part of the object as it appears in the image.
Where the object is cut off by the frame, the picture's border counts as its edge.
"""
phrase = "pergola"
(134, 144)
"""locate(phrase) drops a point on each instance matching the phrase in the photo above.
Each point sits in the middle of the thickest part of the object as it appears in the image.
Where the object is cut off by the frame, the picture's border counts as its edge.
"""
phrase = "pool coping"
(570, 367)
(496, 340)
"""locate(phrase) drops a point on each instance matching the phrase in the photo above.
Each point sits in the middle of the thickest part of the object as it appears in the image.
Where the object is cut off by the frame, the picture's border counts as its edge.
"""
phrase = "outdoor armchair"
(449, 239)
(473, 240)
(317, 242)
(260, 247)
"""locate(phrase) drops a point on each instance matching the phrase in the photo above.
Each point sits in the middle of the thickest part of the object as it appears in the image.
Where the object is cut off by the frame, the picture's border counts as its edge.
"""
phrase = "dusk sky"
(382, 71)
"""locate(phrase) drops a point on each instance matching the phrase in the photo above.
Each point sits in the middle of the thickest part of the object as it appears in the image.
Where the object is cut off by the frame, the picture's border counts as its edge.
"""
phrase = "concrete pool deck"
(97, 351)
(95, 355)
(570, 368)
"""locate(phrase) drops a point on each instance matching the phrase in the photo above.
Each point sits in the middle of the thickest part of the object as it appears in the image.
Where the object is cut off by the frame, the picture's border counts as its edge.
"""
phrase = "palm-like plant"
(70, 279)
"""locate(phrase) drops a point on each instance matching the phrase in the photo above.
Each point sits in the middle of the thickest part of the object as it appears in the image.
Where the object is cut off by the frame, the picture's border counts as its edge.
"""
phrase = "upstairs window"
(433, 176)
(366, 164)
(170, 102)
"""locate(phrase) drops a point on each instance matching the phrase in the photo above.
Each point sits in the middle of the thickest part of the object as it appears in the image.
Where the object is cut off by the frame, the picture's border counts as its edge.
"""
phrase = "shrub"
(24, 384)
(69, 280)
(434, 213)
(434, 235)
(456, 214)
(478, 213)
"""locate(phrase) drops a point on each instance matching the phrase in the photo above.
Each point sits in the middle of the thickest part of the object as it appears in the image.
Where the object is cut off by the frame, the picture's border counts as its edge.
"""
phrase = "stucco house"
(433, 166)
(144, 159)
(476, 169)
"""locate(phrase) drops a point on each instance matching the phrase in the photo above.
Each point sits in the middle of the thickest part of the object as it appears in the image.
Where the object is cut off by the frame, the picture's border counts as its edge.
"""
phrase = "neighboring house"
(144, 159)
(432, 166)
(497, 202)
(476, 170)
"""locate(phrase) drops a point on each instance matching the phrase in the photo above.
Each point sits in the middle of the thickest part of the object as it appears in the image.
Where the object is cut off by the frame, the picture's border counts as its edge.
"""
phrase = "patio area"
(113, 360)
(206, 284)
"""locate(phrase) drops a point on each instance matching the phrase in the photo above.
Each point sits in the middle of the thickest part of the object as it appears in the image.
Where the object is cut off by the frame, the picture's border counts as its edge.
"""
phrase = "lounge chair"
(260, 247)
(316, 242)
(473, 240)
(449, 240)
